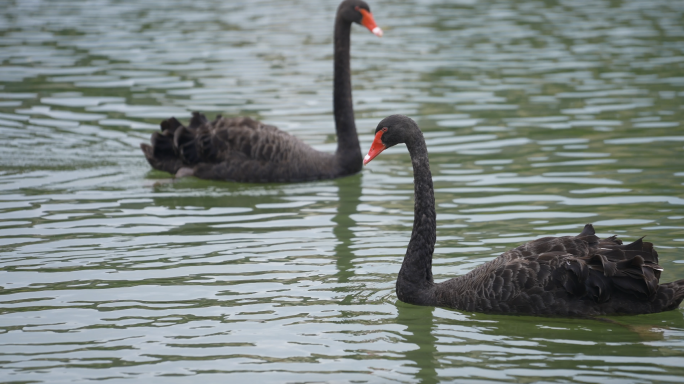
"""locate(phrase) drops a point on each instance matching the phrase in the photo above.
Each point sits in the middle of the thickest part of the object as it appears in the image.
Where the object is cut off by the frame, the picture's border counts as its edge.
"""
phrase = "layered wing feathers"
(571, 275)
(237, 149)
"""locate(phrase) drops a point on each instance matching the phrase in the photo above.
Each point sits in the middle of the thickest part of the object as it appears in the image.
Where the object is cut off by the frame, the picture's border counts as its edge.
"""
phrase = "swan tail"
(160, 153)
(170, 125)
(198, 120)
(631, 269)
(588, 230)
(178, 146)
(193, 144)
(669, 296)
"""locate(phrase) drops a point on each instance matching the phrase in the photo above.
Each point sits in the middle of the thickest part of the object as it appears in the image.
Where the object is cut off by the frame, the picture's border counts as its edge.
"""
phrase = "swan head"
(358, 11)
(391, 131)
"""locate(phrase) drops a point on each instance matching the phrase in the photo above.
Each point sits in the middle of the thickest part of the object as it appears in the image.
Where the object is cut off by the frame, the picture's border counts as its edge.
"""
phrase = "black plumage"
(237, 149)
(555, 276)
(246, 150)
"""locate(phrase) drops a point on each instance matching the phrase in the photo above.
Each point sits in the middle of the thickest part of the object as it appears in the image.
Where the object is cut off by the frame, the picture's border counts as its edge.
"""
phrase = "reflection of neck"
(349, 196)
(419, 323)
(348, 149)
(414, 283)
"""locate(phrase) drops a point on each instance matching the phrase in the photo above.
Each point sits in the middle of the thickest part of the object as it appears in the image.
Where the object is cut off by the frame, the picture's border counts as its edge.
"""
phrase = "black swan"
(574, 276)
(245, 150)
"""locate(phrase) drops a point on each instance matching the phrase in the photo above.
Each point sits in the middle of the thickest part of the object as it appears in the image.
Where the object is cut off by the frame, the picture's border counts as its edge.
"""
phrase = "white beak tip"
(377, 31)
(366, 160)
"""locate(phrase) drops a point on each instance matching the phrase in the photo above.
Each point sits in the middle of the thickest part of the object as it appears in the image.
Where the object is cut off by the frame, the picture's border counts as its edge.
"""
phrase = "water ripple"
(539, 117)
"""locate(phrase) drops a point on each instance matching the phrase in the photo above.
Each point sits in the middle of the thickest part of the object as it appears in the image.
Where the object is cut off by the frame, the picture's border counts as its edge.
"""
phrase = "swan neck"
(348, 148)
(415, 282)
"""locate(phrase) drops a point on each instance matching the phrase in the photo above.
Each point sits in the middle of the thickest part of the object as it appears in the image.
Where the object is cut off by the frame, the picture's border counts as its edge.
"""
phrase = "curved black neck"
(348, 148)
(415, 283)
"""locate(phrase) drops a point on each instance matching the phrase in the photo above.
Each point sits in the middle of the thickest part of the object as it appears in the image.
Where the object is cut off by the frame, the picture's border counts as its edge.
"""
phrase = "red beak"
(375, 148)
(368, 21)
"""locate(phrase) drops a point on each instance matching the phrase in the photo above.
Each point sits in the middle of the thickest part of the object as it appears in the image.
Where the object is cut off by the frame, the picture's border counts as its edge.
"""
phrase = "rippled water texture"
(540, 116)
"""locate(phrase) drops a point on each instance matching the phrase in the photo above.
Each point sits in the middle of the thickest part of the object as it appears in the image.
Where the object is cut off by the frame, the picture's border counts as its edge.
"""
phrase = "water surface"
(540, 116)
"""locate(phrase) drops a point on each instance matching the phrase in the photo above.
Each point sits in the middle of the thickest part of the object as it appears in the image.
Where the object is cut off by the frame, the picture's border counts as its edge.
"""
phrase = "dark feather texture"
(237, 149)
(567, 276)
(555, 276)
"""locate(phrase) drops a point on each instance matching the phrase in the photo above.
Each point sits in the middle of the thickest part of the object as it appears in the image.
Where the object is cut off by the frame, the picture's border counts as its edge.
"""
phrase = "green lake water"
(540, 116)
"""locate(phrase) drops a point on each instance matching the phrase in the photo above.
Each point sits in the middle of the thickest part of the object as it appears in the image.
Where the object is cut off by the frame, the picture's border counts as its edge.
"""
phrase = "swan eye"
(384, 129)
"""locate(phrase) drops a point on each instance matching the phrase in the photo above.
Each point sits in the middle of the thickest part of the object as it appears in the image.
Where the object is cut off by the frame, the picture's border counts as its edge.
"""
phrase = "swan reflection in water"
(349, 198)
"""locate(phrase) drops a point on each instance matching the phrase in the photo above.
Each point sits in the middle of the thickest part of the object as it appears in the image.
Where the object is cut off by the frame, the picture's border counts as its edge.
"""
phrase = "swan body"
(572, 276)
(245, 150)
(239, 149)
